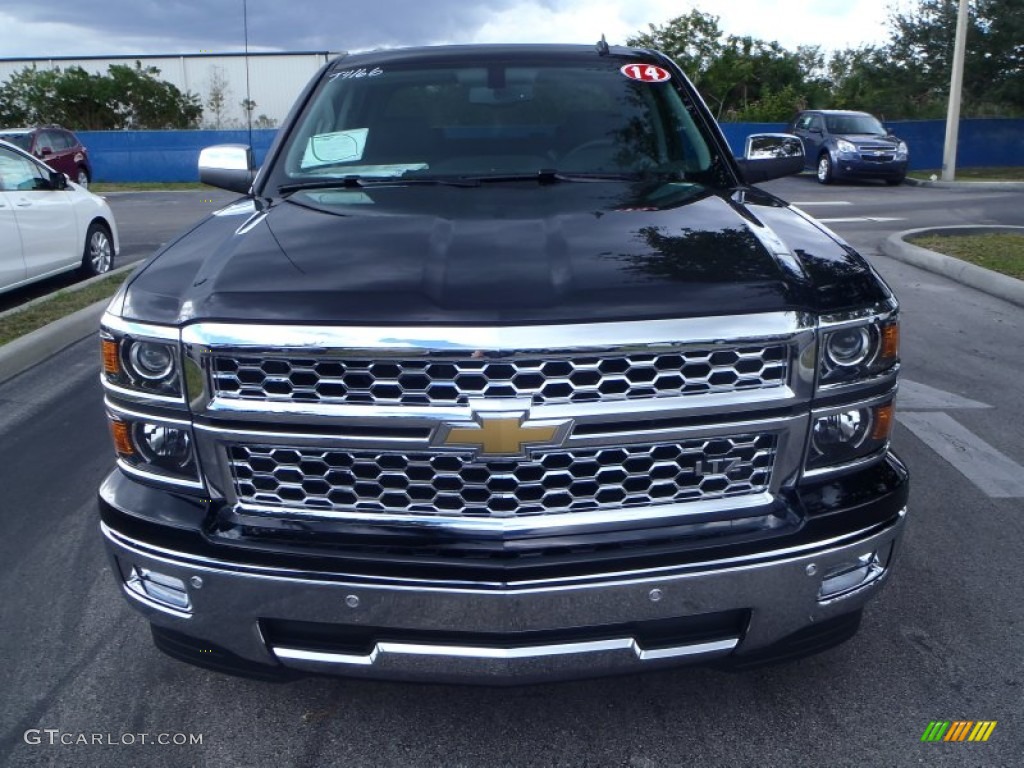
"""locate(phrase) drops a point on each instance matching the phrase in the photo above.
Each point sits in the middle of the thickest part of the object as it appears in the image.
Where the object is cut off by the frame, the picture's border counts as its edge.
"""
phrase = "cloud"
(28, 29)
(172, 26)
(832, 25)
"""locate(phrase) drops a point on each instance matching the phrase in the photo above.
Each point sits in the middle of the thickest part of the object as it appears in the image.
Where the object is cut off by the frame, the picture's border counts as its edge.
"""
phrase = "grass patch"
(1000, 252)
(62, 303)
(99, 187)
(1008, 173)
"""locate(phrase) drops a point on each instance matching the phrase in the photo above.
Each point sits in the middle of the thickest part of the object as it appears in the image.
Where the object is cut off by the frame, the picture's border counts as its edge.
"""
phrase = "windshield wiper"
(543, 176)
(361, 182)
(552, 176)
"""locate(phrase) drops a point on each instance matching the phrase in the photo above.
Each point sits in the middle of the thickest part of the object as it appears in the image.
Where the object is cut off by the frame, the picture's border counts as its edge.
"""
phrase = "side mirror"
(771, 156)
(45, 151)
(228, 166)
(58, 180)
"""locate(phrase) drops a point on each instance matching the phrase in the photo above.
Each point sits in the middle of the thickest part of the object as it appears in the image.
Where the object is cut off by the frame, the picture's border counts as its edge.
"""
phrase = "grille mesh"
(549, 380)
(557, 481)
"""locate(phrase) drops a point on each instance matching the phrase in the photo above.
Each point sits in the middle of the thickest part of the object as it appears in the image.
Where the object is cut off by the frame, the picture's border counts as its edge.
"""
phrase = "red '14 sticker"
(645, 73)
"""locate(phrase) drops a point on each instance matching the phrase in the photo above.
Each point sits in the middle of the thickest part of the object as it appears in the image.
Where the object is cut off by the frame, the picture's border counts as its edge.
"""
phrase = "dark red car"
(58, 148)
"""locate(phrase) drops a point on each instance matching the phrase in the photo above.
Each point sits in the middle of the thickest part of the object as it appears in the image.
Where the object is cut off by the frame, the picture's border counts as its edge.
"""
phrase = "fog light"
(848, 576)
(160, 588)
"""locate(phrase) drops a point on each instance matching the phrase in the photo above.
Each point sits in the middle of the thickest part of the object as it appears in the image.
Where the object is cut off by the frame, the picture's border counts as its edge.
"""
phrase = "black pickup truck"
(501, 371)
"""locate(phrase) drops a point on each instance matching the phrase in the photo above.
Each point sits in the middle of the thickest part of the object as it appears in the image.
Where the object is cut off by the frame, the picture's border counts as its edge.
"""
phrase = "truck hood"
(505, 253)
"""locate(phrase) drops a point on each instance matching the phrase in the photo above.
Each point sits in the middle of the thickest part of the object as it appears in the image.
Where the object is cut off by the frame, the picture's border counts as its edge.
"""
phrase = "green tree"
(744, 78)
(126, 97)
(771, 107)
(693, 40)
(866, 79)
(734, 73)
(218, 92)
(909, 76)
(749, 70)
(146, 102)
(27, 95)
(922, 43)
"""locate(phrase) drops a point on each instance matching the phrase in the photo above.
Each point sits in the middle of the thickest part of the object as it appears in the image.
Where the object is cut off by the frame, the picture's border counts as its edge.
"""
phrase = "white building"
(275, 79)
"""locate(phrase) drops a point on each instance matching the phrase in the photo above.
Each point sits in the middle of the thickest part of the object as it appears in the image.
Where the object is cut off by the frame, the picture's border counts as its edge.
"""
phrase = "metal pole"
(248, 93)
(956, 84)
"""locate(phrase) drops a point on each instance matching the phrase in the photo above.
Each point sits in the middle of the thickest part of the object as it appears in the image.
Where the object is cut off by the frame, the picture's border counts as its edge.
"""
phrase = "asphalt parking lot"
(942, 642)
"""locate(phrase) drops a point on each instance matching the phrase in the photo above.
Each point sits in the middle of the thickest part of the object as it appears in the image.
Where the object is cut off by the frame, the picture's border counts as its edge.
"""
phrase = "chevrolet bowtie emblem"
(505, 434)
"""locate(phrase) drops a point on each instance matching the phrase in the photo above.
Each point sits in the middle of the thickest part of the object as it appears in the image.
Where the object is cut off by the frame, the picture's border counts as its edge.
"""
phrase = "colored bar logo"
(958, 730)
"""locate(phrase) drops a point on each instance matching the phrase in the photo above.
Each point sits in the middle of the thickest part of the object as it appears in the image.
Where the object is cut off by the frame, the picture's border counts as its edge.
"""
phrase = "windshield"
(21, 140)
(482, 119)
(862, 124)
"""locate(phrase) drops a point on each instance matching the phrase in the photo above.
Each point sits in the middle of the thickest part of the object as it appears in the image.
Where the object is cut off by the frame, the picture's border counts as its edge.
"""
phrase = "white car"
(48, 224)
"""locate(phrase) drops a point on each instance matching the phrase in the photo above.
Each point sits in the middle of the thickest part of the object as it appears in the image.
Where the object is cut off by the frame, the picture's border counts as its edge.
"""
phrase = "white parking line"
(824, 202)
(915, 396)
(996, 474)
(854, 219)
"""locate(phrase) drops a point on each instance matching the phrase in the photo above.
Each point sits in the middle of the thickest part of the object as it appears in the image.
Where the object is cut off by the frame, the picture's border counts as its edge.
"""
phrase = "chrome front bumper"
(223, 605)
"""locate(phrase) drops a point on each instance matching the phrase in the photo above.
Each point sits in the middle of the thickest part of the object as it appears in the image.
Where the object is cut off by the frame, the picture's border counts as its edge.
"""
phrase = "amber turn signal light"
(111, 361)
(122, 438)
(883, 422)
(890, 341)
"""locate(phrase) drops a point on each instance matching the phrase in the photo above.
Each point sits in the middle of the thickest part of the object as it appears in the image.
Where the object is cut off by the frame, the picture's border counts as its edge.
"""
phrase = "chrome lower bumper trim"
(781, 592)
(563, 658)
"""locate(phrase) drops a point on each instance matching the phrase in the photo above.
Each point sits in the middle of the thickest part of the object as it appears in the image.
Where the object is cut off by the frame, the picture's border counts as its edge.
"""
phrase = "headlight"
(902, 151)
(848, 347)
(162, 446)
(840, 436)
(155, 448)
(846, 428)
(845, 147)
(151, 360)
(144, 364)
(856, 352)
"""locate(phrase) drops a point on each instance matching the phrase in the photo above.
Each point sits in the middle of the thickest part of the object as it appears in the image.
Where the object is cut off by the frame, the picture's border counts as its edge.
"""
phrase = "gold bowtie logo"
(505, 434)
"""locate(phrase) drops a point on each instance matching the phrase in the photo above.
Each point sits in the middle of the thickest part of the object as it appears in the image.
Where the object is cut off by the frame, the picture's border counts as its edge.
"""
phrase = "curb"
(32, 348)
(35, 347)
(974, 186)
(985, 280)
(70, 289)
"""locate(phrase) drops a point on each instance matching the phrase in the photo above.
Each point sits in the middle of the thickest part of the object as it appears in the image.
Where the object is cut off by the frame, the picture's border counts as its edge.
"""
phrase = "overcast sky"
(37, 28)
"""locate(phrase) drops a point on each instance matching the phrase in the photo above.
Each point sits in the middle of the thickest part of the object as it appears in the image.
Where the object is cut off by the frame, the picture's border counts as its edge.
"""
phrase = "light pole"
(249, 103)
(956, 84)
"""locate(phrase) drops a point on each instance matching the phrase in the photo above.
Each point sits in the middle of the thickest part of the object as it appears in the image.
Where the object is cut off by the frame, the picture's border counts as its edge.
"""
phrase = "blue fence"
(160, 155)
(172, 155)
(982, 142)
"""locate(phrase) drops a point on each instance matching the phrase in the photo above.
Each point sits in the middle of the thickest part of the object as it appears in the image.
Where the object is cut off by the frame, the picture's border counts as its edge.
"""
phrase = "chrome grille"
(555, 481)
(553, 379)
(876, 152)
